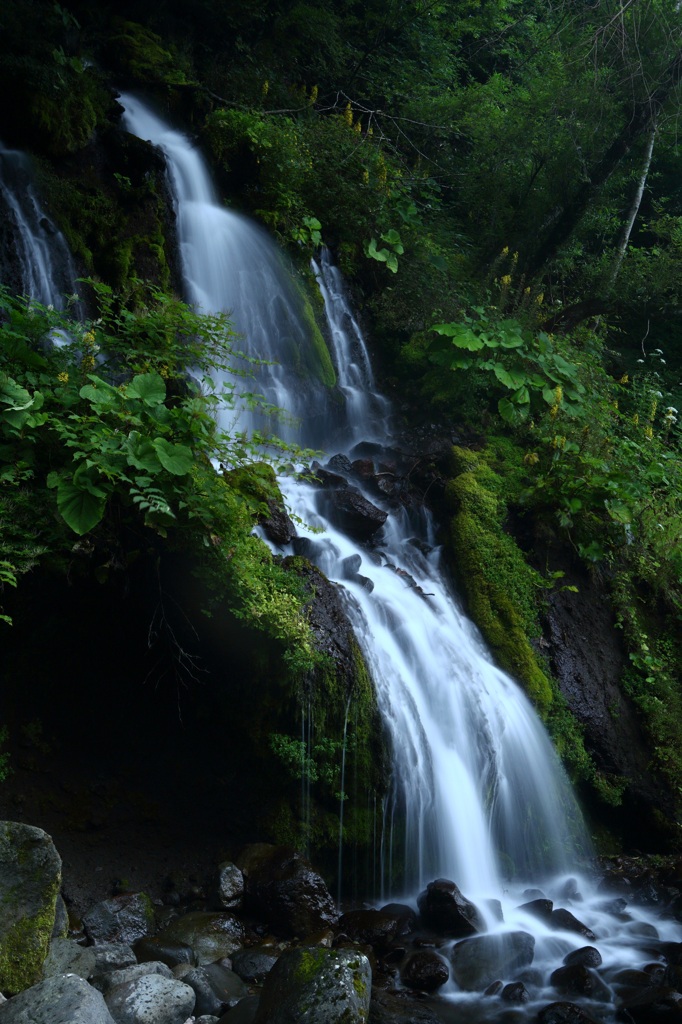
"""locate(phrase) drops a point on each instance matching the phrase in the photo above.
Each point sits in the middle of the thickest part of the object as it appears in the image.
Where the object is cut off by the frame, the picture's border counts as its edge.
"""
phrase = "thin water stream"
(40, 265)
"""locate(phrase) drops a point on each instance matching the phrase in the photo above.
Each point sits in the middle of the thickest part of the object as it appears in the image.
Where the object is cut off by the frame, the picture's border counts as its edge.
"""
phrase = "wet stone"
(564, 1013)
(425, 970)
(444, 908)
(540, 908)
(588, 956)
(369, 927)
(254, 963)
(564, 920)
(515, 992)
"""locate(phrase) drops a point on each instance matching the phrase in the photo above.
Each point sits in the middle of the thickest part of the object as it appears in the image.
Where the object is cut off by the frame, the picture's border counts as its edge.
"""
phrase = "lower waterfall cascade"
(478, 794)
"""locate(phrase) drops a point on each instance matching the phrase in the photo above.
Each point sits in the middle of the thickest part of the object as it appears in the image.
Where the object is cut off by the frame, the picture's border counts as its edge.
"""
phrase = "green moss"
(318, 361)
(310, 962)
(24, 947)
(500, 587)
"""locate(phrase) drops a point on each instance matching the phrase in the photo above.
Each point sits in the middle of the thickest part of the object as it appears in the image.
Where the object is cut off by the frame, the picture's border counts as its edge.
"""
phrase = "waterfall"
(477, 786)
(40, 265)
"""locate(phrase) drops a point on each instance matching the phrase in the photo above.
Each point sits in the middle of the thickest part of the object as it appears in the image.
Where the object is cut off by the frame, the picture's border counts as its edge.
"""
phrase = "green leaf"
(150, 387)
(13, 395)
(175, 458)
(512, 379)
(80, 508)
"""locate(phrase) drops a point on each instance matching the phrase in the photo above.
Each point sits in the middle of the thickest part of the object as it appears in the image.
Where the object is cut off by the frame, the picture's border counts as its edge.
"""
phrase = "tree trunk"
(632, 215)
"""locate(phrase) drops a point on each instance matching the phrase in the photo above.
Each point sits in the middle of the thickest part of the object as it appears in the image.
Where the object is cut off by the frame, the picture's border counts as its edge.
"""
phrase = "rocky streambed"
(261, 941)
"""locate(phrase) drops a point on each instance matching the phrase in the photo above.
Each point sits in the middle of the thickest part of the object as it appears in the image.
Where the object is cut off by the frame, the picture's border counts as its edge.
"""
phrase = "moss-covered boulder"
(30, 878)
(317, 986)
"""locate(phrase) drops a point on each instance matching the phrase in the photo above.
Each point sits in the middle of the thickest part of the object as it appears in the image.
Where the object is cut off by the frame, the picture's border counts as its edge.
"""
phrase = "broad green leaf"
(150, 387)
(511, 379)
(13, 395)
(80, 508)
(175, 458)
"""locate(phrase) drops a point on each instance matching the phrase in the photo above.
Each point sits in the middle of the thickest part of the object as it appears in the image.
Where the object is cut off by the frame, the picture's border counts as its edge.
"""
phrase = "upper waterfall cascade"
(477, 787)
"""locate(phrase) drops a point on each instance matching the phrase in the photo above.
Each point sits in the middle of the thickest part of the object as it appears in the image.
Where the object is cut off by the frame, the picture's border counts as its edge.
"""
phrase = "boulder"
(310, 985)
(65, 956)
(284, 890)
(230, 886)
(444, 909)
(482, 959)
(515, 992)
(353, 513)
(425, 970)
(151, 1000)
(564, 1013)
(216, 988)
(539, 908)
(369, 927)
(210, 936)
(30, 879)
(661, 1005)
(564, 920)
(586, 955)
(405, 917)
(105, 982)
(254, 963)
(65, 999)
(168, 950)
(124, 918)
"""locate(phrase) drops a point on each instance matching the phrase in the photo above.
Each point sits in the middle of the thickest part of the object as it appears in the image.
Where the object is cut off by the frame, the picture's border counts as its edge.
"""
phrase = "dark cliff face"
(587, 657)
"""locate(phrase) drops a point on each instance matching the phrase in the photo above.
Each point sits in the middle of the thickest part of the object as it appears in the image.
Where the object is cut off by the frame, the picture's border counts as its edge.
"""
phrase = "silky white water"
(45, 267)
(477, 790)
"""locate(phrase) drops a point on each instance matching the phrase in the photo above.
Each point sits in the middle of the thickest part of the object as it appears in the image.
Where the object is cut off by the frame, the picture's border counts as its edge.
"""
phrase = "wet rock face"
(152, 1000)
(30, 877)
(353, 513)
(587, 658)
(282, 888)
(447, 911)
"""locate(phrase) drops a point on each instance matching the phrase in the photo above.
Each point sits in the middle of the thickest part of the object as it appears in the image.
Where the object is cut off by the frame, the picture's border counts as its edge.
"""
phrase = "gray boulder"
(482, 959)
(30, 879)
(105, 982)
(66, 999)
(151, 1000)
(124, 918)
(65, 956)
(311, 985)
(230, 885)
(216, 988)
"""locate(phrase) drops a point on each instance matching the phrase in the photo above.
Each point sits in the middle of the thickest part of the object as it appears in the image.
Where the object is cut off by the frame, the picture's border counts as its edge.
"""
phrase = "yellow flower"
(531, 458)
(635, 419)
(265, 88)
(313, 96)
(365, 176)
(63, 377)
(505, 281)
(505, 251)
(348, 115)
(624, 379)
(539, 298)
(558, 394)
(89, 338)
(357, 127)
(648, 432)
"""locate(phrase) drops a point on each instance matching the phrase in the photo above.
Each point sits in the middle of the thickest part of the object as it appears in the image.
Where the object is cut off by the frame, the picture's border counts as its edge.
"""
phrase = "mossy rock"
(30, 878)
